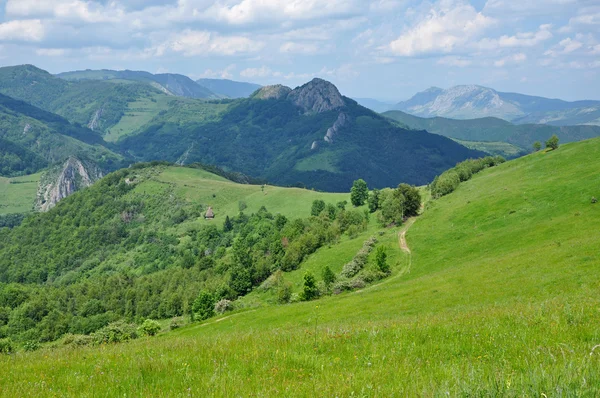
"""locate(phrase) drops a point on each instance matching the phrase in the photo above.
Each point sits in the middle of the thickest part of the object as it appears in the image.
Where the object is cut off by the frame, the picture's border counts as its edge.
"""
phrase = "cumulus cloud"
(565, 46)
(521, 8)
(511, 59)
(454, 61)
(52, 52)
(85, 11)
(524, 39)
(446, 27)
(31, 30)
(299, 48)
(192, 43)
(261, 72)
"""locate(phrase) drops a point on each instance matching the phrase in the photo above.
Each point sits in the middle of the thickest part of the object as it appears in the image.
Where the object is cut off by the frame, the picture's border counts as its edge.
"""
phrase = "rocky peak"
(276, 91)
(317, 96)
(62, 181)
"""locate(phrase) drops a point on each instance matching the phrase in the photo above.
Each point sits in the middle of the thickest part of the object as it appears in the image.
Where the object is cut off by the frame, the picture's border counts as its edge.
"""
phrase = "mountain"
(311, 135)
(471, 101)
(97, 104)
(374, 105)
(33, 139)
(169, 83)
(491, 129)
(229, 88)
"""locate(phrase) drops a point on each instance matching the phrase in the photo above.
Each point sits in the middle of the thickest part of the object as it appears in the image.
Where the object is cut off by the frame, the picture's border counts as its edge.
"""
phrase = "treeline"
(107, 254)
(449, 180)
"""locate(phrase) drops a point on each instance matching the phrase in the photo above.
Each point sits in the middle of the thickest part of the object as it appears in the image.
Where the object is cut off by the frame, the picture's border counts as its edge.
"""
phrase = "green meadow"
(500, 296)
(17, 195)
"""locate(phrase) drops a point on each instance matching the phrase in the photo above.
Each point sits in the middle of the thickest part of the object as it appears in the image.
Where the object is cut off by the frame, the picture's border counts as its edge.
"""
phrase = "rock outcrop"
(276, 91)
(333, 130)
(93, 124)
(58, 183)
(317, 96)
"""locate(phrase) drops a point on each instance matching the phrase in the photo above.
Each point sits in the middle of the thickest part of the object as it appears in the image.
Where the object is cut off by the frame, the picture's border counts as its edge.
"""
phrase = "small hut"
(210, 214)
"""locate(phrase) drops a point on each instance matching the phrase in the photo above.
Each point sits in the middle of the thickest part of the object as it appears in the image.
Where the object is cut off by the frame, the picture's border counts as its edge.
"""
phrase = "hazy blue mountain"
(472, 101)
(229, 88)
(375, 105)
(491, 129)
(169, 83)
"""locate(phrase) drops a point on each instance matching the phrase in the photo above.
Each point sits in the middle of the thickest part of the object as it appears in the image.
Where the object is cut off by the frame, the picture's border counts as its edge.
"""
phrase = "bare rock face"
(333, 130)
(317, 96)
(61, 182)
(276, 91)
(93, 124)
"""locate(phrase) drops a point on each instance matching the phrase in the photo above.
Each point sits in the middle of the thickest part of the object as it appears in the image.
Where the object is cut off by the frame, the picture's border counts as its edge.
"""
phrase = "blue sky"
(384, 49)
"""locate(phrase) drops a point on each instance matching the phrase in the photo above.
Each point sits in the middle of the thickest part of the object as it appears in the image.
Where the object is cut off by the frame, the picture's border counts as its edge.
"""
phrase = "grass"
(17, 195)
(493, 148)
(321, 161)
(501, 300)
(139, 113)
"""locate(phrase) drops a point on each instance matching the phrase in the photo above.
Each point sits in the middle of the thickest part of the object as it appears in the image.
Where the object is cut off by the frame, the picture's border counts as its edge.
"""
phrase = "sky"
(383, 49)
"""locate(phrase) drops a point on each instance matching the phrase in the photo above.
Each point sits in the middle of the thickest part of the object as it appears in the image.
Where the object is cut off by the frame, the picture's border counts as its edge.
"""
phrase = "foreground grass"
(17, 195)
(501, 300)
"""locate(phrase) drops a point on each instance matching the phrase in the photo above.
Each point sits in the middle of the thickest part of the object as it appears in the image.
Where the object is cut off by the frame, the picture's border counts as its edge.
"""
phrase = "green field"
(17, 195)
(500, 297)
(138, 113)
(503, 149)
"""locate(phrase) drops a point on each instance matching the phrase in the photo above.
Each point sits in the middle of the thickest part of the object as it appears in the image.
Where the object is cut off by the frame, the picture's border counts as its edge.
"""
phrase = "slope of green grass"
(17, 195)
(501, 299)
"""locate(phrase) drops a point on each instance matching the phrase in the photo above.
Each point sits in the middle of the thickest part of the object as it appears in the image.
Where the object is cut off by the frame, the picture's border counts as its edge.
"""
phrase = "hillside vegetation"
(494, 131)
(499, 299)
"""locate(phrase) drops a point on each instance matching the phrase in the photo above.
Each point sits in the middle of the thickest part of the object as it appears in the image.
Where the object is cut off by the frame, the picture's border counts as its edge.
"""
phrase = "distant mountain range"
(229, 88)
(471, 101)
(375, 105)
(169, 83)
(491, 129)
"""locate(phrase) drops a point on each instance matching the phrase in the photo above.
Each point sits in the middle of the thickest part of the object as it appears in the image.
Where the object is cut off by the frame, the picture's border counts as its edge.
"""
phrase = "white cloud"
(226, 73)
(192, 43)
(299, 48)
(258, 72)
(595, 50)
(511, 59)
(22, 30)
(52, 52)
(524, 39)
(522, 8)
(86, 11)
(447, 26)
(454, 61)
(565, 46)
(249, 11)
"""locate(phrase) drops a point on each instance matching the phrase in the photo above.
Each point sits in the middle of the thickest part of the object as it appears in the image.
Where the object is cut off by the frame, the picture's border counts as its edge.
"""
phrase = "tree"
(317, 207)
(412, 200)
(328, 276)
(374, 201)
(341, 205)
(537, 146)
(359, 193)
(381, 259)
(309, 290)
(227, 225)
(392, 209)
(552, 142)
(203, 307)
(150, 327)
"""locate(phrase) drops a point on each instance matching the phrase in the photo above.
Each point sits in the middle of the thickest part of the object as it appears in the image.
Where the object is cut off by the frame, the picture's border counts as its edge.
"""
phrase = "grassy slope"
(19, 196)
(501, 299)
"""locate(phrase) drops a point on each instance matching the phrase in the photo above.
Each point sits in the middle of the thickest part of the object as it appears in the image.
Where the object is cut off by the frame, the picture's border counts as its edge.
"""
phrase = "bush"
(174, 324)
(203, 306)
(77, 340)
(150, 327)
(309, 290)
(116, 332)
(284, 293)
(223, 306)
(6, 346)
(552, 142)
(594, 200)
(381, 260)
(317, 207)
(31, 345)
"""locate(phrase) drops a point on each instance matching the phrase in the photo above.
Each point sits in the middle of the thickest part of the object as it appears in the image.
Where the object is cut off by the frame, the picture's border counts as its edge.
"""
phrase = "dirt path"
(402, 235)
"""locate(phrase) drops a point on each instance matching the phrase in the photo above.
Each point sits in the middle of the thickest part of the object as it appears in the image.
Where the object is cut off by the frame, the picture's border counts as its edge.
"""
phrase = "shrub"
(174, 324)
(594, 200)
(223, 306)
(31, 345)
(284, 293)
(317, 207)
(328, 277)
(203, 306)
(77, 340)
(552, 142)
(116, 332)
(150, 327)
(381, 260)
(309, 290)
(6, 346)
